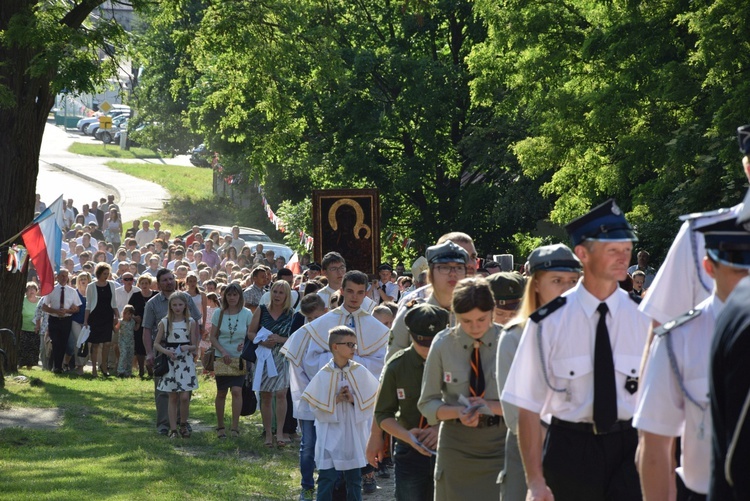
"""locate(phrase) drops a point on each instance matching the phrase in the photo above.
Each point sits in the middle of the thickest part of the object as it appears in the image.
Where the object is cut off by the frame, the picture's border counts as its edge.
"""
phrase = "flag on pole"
(294, 264)
(43, 239)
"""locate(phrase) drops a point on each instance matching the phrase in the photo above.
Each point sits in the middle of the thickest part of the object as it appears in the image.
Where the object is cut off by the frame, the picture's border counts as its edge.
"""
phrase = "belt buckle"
(595, 430)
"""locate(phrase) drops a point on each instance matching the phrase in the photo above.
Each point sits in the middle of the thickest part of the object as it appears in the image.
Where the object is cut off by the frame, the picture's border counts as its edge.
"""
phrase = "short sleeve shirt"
(400, 387)
(663, 408)
(557, 376)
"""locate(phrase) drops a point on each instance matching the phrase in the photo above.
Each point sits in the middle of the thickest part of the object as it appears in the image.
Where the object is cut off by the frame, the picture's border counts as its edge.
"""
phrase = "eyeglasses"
(351, 345)
(127, 279)
(336, 269)
(445, 269)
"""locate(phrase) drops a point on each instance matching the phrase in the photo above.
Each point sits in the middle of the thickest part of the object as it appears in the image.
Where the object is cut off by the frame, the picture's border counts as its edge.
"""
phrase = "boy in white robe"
(342, 398)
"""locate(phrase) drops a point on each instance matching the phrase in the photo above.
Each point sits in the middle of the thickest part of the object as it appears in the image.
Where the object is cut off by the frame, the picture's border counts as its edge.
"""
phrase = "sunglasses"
(350, 345)
(127, 279)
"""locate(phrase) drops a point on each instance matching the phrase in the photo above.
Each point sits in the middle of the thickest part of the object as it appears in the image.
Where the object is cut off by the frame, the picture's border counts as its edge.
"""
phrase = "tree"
(46, 47)
(369, 93)
(620, 99)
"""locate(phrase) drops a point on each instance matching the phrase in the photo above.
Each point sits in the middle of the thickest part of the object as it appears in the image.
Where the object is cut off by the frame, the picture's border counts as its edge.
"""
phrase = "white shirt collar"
(590, 303)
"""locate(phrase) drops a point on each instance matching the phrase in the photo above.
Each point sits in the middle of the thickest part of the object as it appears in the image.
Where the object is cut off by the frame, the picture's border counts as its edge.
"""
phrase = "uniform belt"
(619, 426)
(486, 421)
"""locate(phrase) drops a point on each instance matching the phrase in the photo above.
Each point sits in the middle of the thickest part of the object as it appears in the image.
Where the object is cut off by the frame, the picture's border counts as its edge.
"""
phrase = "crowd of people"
(557, 381)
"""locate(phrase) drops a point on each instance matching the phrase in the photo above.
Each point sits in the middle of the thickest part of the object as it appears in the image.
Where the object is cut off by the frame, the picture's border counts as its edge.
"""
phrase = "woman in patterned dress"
(277, 318)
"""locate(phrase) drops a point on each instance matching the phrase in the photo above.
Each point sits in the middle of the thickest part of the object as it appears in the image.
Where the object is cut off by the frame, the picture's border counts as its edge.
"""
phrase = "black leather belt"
(486, 421)
(619, 426)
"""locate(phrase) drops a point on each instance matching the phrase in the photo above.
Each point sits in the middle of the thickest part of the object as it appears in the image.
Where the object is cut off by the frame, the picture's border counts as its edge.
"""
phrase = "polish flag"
(43, 239)
(294, 265)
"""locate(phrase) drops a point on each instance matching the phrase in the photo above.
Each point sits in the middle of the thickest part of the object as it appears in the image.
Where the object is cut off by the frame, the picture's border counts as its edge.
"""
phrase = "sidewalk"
(136, 197)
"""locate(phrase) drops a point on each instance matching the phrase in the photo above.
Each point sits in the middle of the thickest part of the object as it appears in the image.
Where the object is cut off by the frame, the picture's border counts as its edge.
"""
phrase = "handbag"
(235, 368)
(248, 351)
(83, 351)
(249, 399)
(161, 364)
(208, 359)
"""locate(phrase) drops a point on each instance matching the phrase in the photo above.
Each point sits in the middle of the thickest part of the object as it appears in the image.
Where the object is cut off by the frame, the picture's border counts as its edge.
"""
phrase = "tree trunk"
(22, 124)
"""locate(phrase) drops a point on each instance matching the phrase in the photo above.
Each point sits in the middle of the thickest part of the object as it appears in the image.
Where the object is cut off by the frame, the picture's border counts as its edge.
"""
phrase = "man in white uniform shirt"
(577, 365)
(60, 304)
(674, 396)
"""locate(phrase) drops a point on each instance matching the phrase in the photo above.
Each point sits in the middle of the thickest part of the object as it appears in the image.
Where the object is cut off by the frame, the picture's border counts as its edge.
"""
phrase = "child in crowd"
(127, 327)
(177, 337)
(212, 305)
(384, 315)
(342, 397)
(312, 307)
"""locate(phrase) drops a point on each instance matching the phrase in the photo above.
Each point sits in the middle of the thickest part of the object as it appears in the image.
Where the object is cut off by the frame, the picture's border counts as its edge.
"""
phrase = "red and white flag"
(43, 239)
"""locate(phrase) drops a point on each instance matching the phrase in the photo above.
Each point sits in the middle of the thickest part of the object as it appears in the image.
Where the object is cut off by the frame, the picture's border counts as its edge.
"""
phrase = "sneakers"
(368, 483)
(307, 495)
(172, 434)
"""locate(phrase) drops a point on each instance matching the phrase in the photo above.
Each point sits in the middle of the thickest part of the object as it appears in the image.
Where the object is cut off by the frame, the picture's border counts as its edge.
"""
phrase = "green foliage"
(297, 218)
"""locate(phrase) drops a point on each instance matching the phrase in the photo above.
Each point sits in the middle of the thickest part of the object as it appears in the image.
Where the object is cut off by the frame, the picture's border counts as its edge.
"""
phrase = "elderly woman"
(277, 318)
(461, 363)
(229, 326)
(553, 269)
(101, 315)
(28, 341)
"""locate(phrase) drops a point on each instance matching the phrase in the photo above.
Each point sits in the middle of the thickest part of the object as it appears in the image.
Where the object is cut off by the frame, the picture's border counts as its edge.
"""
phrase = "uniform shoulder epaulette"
(699, 215)
(547, 309)
(395, 356)
(665, 329)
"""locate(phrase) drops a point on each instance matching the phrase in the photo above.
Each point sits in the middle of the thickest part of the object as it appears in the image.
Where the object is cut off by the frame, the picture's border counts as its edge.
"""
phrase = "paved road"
(85, 178)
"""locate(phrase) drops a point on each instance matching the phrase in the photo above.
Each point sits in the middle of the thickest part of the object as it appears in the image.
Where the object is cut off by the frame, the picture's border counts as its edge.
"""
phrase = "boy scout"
(400, 388)
(673, 399)
(578, 363)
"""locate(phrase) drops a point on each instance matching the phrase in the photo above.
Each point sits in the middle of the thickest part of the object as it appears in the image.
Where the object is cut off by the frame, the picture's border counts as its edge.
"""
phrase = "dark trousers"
(327, 480)
(581, 466)
(414, 474)
(290, 424)
(59, 332)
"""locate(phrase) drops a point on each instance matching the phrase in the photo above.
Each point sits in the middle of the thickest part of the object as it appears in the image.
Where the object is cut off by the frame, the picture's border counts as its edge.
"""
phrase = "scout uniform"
(469, 459)
(447, 252)
(568, 342)
(507, 289)
(512, 480)
(400, 387)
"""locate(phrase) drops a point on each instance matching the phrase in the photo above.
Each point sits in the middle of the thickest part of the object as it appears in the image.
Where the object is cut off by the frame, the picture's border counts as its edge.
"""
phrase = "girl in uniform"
(553, 269)
(461, 362)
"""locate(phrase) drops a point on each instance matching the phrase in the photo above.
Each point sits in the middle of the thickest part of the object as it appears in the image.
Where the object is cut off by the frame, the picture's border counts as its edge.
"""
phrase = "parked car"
(107, 135)
(84, 124)
(279, 250)
(249, 235)
(93, 129)
(200, 156)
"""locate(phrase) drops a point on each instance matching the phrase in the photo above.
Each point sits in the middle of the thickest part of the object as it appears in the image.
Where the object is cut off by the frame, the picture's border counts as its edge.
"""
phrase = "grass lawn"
(192, 199)
(107, 447)
(111, 151)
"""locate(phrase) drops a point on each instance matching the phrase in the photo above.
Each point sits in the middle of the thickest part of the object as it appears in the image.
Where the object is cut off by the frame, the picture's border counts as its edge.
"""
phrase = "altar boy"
(342, 398)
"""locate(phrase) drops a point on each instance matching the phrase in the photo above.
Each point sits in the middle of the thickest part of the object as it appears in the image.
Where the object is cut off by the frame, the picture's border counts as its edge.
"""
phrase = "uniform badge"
(400, 393)
(631, 384)
(447, 377)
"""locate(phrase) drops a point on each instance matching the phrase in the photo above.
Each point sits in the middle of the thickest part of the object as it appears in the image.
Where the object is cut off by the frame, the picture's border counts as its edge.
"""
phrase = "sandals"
(282, 443)
(269, 444)
(184, 431)
(220, 433)
(172, 434)
(235, 433)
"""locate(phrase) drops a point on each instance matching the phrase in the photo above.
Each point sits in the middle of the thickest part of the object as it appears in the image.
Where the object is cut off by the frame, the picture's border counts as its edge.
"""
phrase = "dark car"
(200, 156)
